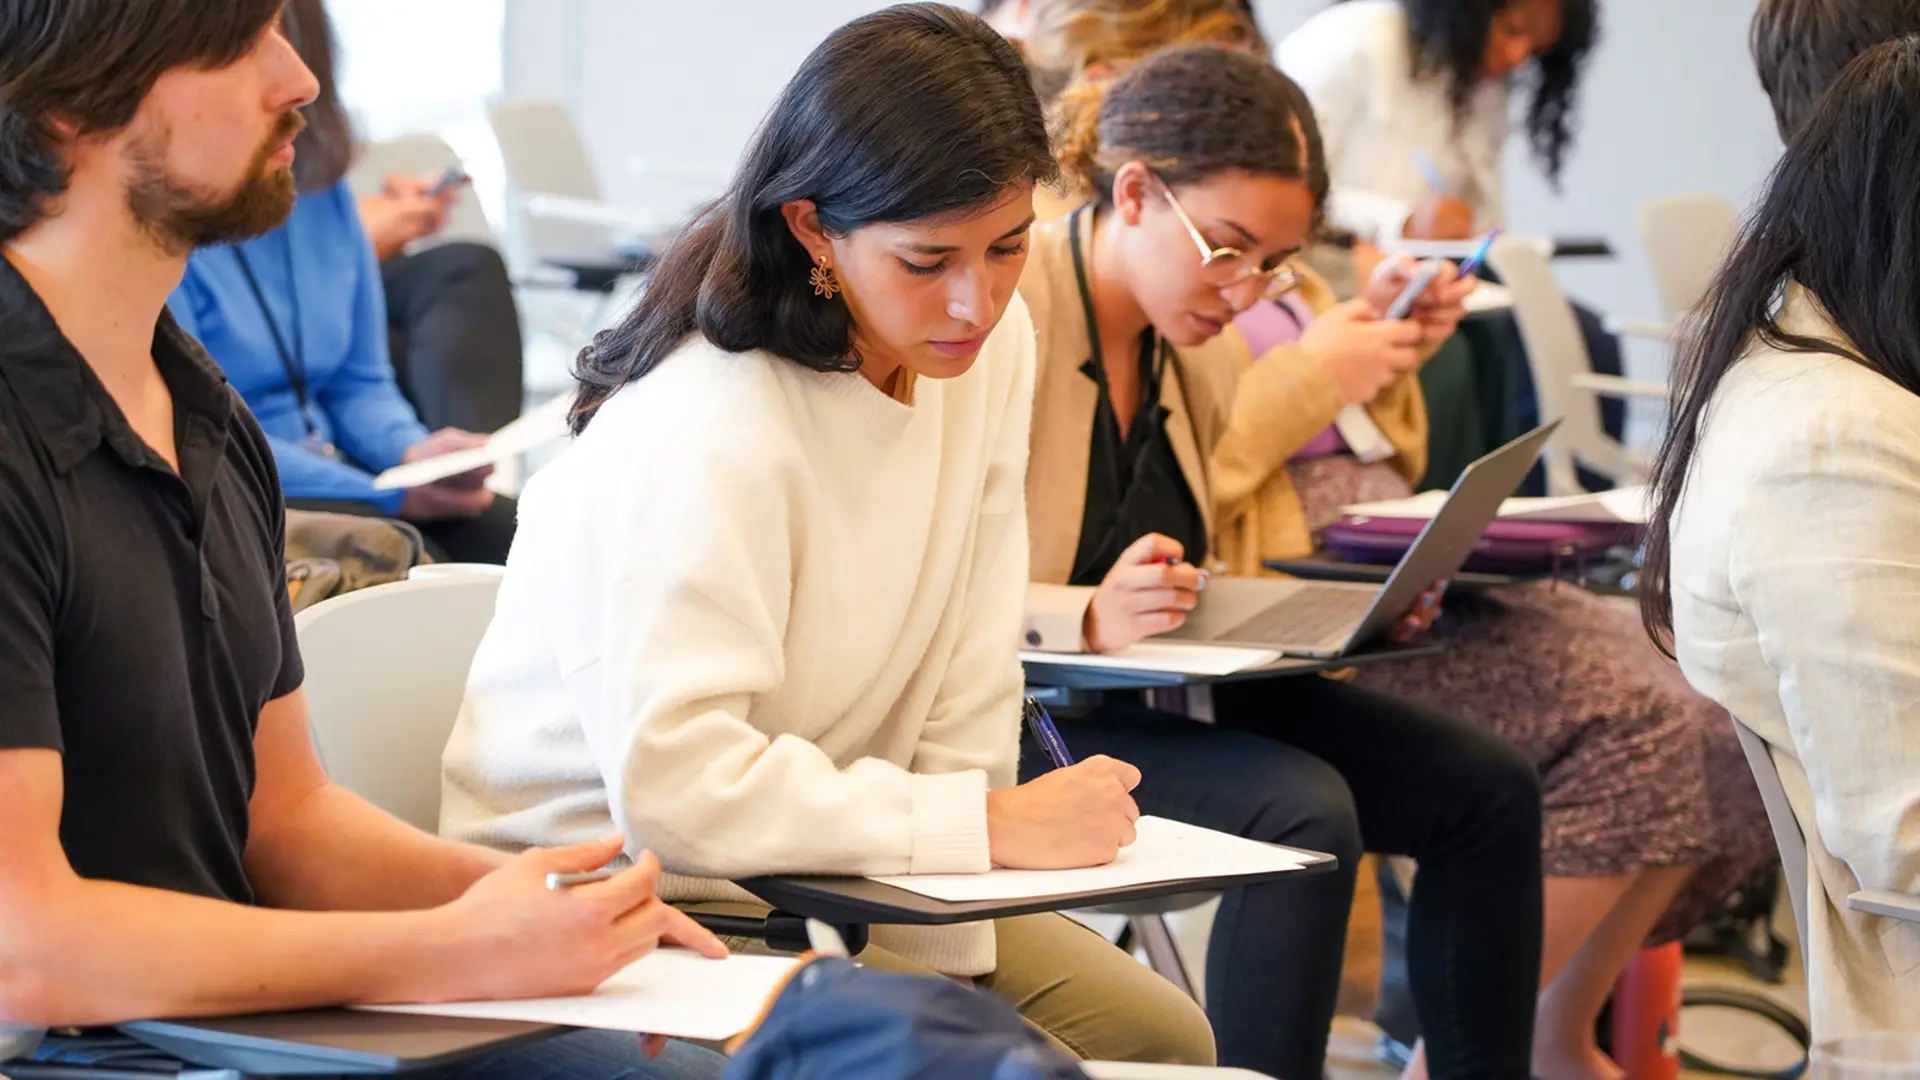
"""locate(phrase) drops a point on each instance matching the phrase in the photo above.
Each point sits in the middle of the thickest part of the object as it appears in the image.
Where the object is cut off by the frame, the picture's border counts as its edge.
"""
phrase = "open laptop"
(1326, 618)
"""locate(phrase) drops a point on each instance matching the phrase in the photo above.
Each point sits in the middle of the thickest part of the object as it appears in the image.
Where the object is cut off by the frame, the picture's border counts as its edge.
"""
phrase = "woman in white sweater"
(762, 615)
(1783, 562)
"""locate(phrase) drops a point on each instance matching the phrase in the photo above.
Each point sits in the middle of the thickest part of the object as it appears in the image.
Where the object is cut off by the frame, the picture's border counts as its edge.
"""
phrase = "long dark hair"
(1841, 217)
(92, 62)
(324, 150)
(1450, 42)
(909, 113)
(1190, 113)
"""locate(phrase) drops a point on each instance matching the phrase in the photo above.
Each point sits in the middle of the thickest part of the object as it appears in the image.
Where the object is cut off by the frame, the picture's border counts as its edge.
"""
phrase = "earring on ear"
(823, 281)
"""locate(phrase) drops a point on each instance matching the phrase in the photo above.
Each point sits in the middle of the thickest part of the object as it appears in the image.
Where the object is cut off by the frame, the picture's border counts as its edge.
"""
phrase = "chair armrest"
(1125, 1070)
(1615, 386)
(1890, 904)
(1634, 328)
(594, 212)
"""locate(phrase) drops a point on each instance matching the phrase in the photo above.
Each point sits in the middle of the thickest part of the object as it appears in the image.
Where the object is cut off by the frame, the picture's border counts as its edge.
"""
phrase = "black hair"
(1841, 218)
(324, 148)
(1800, 46)
(1189, 113)
(1450, 42)
(90, 63)
(916, 111)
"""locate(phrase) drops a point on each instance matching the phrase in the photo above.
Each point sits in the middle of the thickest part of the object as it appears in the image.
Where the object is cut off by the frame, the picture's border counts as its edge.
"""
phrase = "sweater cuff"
(950, 824)
(1056, 618)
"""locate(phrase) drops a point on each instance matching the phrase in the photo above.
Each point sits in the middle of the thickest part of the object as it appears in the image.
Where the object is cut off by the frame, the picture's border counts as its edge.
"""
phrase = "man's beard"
(181, 218)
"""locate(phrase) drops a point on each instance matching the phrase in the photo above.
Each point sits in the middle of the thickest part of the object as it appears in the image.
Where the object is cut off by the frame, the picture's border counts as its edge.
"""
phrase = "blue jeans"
(583, 1055)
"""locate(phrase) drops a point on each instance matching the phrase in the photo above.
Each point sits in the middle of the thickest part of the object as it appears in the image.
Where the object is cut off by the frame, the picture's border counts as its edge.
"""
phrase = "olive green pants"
(1087, 997)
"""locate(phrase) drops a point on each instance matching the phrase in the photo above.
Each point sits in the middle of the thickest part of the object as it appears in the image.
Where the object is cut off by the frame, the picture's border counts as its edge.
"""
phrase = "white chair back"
(386, 670)
(422, 155)
(1687, 238)
(1556, 353)
(543, 154)
(1786, 828)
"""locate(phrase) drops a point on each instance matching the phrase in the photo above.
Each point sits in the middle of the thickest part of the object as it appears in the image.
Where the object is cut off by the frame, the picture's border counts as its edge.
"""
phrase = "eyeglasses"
(1229, 267)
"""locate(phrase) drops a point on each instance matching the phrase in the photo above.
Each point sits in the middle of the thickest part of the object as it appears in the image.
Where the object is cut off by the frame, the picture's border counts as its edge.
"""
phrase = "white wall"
(1671, 102)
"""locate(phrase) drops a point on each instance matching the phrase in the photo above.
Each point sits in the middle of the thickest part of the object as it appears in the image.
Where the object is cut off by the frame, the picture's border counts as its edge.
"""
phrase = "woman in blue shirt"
(297, 320)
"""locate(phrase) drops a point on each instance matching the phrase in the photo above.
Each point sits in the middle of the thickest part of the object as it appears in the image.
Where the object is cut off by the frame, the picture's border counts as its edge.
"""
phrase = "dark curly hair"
(912, 112)
(1450, 42)
(1801, 46)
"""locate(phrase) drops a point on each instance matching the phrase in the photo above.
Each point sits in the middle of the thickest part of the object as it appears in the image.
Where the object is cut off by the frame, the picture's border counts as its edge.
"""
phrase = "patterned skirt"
(1639, 771)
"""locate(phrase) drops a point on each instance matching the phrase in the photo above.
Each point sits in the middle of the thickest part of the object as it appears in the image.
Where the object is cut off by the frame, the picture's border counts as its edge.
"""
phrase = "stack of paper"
(673, 992)
(1163, 851)
(1627, 505)
(1175, 657)
(536, 429)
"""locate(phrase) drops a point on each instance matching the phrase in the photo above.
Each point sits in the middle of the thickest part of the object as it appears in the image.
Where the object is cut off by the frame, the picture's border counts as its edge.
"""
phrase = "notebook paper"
(673, 992)
(1179, 658)
(1164, 851)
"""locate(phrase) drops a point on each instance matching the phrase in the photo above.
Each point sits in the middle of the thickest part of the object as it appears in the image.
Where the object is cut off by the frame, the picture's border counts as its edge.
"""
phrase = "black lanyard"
(1148, 394)
(293, 359)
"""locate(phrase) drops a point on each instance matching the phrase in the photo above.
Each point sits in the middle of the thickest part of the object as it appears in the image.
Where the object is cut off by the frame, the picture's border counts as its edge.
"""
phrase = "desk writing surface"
(1067, 675)
(864, 900)
(332, 1040)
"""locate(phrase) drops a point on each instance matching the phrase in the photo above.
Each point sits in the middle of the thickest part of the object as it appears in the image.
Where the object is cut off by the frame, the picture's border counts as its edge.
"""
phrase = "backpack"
(330, 554)
(835, 1019)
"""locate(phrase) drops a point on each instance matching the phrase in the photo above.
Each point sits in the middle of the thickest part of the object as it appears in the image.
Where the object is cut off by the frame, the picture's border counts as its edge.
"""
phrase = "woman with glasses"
(1204, 162)
(1643, 782)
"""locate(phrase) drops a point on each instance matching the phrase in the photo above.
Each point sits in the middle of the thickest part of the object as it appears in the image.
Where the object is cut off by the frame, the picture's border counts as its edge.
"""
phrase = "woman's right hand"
(509, 936)
(1364, 353)
(1078, 816)
(1149, 591)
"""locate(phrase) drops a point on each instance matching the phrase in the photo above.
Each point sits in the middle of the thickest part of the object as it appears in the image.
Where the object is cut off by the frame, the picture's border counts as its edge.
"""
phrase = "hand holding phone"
(454, 177)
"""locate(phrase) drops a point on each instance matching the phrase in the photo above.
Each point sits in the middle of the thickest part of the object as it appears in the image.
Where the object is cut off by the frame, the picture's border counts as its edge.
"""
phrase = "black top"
(144, 618)
(1134, 484)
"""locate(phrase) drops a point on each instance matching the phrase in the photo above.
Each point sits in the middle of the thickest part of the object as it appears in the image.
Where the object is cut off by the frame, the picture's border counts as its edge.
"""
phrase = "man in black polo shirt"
(169, 844)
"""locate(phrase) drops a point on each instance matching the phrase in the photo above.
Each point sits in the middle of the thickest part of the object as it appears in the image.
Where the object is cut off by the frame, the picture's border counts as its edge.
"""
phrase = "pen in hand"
(1046, 734)
(557, 882)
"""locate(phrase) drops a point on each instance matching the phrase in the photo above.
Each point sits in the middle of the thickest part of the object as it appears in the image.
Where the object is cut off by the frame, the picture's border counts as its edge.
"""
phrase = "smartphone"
(1403, 304)
(454, 177)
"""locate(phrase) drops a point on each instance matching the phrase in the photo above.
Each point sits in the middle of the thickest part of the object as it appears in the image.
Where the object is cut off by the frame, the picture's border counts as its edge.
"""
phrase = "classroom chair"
(1687, 238)
(1564, 381)
(556, 200)
(422, 155)
(1792, 841)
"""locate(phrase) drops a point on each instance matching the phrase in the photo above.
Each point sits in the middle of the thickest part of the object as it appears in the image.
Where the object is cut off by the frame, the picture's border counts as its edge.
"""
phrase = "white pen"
(561, 881)
(826, 941)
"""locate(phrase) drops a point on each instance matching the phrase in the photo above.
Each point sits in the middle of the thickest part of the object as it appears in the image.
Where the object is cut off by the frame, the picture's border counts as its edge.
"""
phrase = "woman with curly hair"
(1413, 98)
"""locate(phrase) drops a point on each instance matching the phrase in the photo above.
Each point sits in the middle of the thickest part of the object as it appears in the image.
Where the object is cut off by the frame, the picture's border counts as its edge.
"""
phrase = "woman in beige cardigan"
(1134, 388)
(1782, 557)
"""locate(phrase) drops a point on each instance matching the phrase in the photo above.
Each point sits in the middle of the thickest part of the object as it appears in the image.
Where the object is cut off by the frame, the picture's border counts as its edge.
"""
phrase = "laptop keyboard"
(1308, 617)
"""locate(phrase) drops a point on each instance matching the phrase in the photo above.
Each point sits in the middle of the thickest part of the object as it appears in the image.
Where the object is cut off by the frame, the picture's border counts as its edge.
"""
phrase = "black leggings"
(1320, 764)
(454, 335)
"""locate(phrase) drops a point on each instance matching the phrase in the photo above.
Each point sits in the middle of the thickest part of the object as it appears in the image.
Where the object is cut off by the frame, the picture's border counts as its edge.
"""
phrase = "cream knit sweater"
(763, 620)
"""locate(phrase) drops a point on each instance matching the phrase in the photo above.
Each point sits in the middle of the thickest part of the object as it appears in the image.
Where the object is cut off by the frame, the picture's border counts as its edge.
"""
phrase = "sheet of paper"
(1488, 297)
(1180, 658)
(1626, 505)
(537, 428)
(673, 992)
(1458, 250)
(1164, 851)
